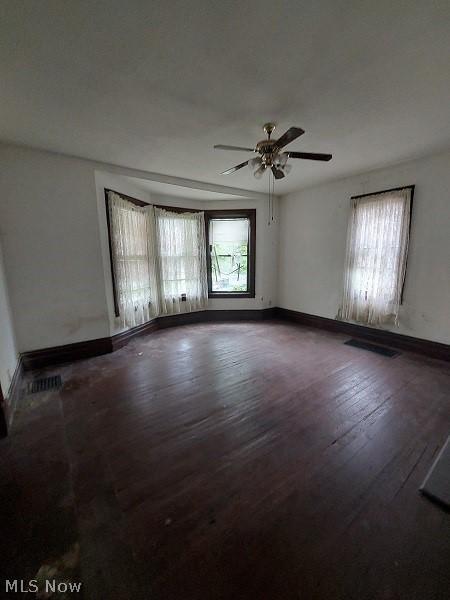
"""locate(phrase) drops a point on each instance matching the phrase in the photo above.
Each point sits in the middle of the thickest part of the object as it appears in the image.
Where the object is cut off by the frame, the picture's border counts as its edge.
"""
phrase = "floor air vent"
(44, 384)
(372, 347)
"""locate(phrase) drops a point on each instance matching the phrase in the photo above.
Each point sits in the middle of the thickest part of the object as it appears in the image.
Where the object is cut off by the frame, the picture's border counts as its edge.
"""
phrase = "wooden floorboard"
(237, 460)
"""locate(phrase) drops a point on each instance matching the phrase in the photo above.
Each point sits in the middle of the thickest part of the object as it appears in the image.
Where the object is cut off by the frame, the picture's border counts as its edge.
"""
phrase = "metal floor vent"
(44, 384)
(372, 348)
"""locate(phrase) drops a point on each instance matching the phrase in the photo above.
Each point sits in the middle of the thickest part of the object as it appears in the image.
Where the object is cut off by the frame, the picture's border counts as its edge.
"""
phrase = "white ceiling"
(154, 85)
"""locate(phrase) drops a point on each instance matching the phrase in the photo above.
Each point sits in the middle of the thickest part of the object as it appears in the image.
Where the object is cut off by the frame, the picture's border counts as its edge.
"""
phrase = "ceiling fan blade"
(236, 168)
(277, 173)
(310, 155)
(289, 136)
(237, 148)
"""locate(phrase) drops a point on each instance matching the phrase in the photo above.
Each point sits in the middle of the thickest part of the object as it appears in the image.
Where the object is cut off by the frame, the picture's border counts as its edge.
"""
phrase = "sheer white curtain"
(132, 247)
(377, 247)
(182, 261)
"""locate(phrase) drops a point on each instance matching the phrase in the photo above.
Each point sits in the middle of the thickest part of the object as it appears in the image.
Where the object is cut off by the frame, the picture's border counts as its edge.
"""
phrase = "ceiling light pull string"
(271, 196)
(269, 207)
(273, 192)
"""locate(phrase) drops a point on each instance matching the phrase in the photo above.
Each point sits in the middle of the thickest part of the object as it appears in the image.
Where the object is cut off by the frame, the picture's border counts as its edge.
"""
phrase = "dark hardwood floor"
(233, 461)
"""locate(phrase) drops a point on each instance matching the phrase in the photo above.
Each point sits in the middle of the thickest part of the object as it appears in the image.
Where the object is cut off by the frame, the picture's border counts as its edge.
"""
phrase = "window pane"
(228, 240)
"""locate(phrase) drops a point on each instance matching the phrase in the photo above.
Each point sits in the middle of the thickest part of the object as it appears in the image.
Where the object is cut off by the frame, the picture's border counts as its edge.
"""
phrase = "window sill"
(213, 295)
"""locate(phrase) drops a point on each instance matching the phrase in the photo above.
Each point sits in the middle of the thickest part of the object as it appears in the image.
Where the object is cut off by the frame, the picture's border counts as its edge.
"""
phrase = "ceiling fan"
(271, 155)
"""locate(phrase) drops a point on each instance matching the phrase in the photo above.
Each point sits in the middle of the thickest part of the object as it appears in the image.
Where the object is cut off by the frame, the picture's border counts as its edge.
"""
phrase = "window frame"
(247, 213)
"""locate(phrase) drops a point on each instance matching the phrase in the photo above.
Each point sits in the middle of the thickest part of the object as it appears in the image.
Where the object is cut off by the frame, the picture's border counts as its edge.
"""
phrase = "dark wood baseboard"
(3, 416)
(377, 336)
(208, 316)
(121, 339)
(9, 404)
(241, 315)
(198, 316)
(38, 359)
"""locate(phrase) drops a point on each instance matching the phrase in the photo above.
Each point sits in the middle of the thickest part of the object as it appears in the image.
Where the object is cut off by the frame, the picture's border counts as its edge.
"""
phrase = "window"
(231, 253)
(377, 247)
(158, 259)
(133, 271)
(182, 260)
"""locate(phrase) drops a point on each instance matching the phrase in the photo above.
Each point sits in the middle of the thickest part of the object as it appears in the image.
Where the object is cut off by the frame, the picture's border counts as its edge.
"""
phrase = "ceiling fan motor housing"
(266, 146)
(268, 150)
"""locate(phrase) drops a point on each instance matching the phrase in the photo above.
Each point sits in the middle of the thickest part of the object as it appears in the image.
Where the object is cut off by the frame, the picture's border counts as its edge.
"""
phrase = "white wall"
(51, 246)
(8, 350)
(313, 229)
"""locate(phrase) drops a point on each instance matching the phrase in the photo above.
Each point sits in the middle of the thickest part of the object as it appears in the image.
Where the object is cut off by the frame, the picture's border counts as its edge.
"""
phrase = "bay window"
(158, 259)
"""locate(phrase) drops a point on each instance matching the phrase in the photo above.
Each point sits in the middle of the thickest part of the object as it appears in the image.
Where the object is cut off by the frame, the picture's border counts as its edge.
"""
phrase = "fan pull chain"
(270, 208)
(273, 192)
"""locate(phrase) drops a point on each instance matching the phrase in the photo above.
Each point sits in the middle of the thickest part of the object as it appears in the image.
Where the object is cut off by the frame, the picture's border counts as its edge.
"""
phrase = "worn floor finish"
(229, 461)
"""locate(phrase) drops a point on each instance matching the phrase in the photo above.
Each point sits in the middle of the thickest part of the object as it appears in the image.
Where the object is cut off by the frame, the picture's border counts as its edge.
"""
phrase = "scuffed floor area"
(231, 461)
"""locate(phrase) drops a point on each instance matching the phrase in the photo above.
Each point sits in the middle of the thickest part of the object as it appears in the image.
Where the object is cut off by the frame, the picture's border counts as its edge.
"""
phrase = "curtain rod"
(397, 189)
(137, 202)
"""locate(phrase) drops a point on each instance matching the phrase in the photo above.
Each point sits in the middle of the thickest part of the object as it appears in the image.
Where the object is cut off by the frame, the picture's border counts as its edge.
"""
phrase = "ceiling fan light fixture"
(287, 169)
(282, 159)
(259, 172)
(254, 163)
